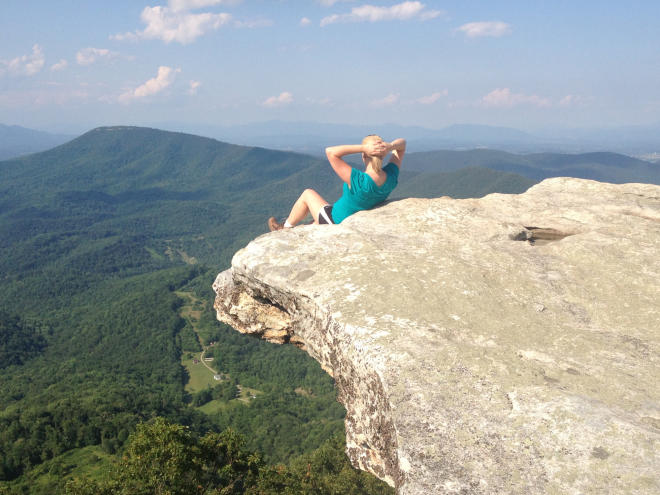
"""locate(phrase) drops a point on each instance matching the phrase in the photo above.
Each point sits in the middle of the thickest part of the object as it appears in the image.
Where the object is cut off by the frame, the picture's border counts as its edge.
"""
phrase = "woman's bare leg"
(309, 202)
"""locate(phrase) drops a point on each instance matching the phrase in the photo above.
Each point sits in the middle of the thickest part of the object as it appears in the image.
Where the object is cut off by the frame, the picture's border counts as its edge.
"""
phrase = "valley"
(110, 244)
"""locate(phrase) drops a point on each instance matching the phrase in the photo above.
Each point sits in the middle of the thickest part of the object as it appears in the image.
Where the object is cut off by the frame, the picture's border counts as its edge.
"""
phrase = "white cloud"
(390, 99)
(324, 101)
(194, 86)
(181, 5)
(330, 3)
(125, 36)
(404, 11)
(257, 23)
(167, 24)
(182, 27)
(282, 99)
(62, 64)
(163, 79)
(433, 97)
(175, 22)
(503, 97)
(571, 100)
(493, 29)
(305, 21)
(87, 56)
(26, 65)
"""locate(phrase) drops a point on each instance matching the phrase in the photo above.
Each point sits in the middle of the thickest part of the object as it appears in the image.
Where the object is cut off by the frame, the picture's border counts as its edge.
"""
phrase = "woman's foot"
(274, 225)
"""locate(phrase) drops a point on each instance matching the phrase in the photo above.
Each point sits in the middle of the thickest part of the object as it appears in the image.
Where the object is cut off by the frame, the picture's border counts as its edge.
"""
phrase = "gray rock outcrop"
(507, 344)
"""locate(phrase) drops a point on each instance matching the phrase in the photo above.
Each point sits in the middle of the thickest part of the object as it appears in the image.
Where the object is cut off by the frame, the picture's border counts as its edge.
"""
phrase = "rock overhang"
(480, 344)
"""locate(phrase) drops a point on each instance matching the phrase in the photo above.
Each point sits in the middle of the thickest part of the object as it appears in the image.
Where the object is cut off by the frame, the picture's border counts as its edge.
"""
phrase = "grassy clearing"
(213, 407)
(200, 376)
(190, 260)
(191, 310)
(303, 391)
(191, 314)
(247, 394)
(155, 254)
(94, 461)
(91, 462)
(185, 257)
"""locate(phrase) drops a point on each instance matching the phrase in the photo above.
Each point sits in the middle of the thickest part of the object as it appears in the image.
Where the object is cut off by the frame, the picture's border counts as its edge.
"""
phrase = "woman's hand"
(376, 148)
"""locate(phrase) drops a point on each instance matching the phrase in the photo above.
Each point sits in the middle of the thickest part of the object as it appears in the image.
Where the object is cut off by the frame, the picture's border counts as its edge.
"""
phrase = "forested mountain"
(18, 341)
(198, 193)
(110, 244)
(600, 166)
(469, 182)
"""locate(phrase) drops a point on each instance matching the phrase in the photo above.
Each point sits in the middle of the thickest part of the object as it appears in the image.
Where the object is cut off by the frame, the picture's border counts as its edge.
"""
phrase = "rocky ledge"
(507, 344)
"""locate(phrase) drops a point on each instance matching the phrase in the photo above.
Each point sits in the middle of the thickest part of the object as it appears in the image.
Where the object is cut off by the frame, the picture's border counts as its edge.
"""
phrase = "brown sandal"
(274, 225)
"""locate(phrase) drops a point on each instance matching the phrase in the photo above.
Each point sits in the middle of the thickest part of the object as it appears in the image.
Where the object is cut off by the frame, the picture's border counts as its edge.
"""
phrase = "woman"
(362, 190)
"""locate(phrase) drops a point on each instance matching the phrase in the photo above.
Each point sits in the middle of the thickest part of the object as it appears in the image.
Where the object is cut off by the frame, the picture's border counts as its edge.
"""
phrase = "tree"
(226, 464)
(163, 458)
(19, 341)
(202, 397)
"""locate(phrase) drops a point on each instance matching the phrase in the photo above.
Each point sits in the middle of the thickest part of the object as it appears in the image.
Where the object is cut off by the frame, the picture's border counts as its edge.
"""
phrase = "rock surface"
(507, 344)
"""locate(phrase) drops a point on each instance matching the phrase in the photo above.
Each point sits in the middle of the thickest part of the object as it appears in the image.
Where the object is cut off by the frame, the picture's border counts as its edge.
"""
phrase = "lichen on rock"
(507, 344)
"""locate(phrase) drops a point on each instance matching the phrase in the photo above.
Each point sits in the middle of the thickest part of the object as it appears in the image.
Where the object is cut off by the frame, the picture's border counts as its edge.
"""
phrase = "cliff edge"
(507, 344)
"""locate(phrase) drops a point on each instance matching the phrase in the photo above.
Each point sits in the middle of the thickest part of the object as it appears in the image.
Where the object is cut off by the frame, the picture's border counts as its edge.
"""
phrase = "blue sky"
(72, 65)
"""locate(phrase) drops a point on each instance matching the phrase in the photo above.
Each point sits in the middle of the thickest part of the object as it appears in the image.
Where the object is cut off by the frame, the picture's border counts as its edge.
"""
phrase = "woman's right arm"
(335, 154)
(398, 148)
(343, 169)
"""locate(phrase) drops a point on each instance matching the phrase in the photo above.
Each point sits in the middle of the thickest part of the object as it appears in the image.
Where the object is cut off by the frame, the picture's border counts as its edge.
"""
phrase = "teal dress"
(363, 193)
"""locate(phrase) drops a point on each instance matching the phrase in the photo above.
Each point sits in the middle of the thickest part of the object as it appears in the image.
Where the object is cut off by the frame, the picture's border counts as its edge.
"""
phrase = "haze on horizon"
(68, 67)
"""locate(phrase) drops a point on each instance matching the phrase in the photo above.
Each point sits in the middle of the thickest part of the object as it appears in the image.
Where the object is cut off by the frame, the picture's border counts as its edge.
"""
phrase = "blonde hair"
(375, 161)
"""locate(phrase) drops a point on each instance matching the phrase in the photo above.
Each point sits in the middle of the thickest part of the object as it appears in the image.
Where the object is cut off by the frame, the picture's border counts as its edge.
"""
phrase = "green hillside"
(600, 166)
(160, 184)
(110, 245)
(469, 182)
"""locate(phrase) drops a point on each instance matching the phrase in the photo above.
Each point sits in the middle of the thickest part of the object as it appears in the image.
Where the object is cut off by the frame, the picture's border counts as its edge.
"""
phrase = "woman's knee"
(308, 195)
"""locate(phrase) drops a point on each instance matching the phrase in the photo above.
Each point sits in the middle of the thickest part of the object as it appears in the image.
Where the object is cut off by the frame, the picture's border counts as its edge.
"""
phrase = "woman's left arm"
(398, 148)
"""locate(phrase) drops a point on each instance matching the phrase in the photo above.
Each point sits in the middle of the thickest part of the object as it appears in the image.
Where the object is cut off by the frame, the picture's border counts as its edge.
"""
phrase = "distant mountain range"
(16, 141)
(444, 151)
(312, 137)
(600, 166)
